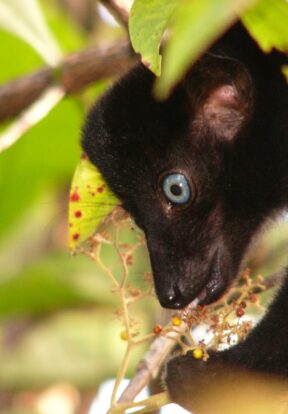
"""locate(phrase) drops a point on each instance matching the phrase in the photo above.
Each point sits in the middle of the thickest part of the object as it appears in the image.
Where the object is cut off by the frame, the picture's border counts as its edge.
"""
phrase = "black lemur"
(200, 173)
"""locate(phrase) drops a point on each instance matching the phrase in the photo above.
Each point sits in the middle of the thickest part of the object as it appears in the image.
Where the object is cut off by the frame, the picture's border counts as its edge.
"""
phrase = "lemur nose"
(172, 299)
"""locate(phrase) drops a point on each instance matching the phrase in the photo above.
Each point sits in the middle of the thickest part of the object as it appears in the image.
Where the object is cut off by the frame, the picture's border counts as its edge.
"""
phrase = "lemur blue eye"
(176, 188)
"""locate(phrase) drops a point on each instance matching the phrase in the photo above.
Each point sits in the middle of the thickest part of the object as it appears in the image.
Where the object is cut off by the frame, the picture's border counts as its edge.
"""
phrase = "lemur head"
(182, 168)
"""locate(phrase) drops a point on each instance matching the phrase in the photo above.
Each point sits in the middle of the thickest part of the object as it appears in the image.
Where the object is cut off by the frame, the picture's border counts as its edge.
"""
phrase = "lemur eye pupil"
(176, 190)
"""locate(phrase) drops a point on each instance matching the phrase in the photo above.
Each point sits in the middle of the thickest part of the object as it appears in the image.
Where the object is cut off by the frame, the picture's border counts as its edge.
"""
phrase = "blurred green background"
(58, 333)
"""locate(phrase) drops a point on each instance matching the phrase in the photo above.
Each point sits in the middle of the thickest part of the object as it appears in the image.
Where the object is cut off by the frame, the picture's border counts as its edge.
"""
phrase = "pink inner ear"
(222, 112)
(224, 95)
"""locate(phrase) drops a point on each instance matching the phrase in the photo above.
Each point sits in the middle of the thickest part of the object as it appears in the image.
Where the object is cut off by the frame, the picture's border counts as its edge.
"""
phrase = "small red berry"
(78, 214)
(157, 329)
(240, 312)
(243, 304)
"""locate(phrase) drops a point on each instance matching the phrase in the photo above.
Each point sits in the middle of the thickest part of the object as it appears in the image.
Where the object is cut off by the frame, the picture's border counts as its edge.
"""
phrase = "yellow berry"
(197, 353)
(124, 335)
(176, 321)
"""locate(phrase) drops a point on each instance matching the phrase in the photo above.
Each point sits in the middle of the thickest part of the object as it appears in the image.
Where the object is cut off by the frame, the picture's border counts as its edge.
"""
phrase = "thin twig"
(150, 364)
(121, 373)
(105, 268)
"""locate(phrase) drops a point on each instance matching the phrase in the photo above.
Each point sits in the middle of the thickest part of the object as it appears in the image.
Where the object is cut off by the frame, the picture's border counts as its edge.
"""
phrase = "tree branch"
(77, 71)
(150, 364)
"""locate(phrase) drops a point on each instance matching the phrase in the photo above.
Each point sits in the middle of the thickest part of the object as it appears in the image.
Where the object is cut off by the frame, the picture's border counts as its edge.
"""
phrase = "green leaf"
(196, 24)
(147, 23)
(268, 24)
(90, 202)
(25, 20)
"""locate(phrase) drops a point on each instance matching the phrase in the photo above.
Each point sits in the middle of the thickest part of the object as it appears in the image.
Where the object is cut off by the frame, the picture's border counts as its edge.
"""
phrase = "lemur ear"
(226, 104)
(224, 111)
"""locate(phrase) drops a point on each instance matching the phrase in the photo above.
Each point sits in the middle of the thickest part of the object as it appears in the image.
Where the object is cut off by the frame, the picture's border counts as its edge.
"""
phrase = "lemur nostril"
(173, 299)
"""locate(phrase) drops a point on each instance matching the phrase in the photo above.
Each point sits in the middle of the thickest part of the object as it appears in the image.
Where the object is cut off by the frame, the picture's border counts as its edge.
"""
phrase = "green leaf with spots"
(196, 24)
(267, 23)
(90, 202)
(147, 24)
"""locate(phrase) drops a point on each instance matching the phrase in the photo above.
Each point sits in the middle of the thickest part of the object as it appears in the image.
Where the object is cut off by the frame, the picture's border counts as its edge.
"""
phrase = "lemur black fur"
(224, 131)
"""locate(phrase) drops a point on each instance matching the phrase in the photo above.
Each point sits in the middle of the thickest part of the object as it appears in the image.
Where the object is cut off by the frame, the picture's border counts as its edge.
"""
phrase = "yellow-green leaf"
(89, 203)
(196, 24)
(147, 23)
(268, 24)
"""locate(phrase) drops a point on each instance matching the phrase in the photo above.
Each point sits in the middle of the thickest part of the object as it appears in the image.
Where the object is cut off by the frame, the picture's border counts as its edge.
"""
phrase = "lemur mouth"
(216, 285)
